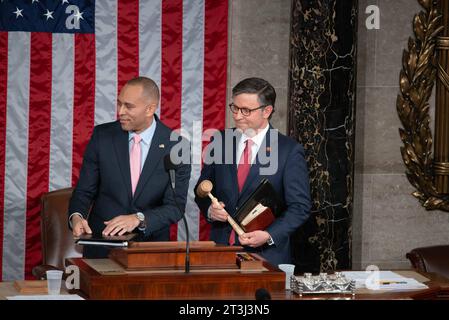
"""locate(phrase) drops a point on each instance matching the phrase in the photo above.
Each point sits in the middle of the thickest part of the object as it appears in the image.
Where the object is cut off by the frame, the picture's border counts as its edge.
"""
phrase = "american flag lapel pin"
(268, 149)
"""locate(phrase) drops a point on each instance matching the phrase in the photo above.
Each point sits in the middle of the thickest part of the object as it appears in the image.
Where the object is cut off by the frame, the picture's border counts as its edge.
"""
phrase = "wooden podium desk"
(438, 289)
(226, 285)
(174, 284)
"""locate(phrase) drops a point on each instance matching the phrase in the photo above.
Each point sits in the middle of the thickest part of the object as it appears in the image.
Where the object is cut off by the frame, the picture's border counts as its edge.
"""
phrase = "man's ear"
(267, 111)
(151, 109)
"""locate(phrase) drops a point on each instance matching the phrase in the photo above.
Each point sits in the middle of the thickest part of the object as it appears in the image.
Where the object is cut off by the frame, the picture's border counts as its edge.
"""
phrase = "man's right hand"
(80, 226)
(217, 212)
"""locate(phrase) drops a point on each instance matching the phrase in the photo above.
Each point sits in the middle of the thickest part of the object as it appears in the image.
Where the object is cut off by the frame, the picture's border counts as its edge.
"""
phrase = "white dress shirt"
(257, 139)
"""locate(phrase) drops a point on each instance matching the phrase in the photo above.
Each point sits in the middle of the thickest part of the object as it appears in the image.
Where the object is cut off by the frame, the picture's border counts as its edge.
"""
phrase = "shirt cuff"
(270, 241)
(70, 218)
(209, 214)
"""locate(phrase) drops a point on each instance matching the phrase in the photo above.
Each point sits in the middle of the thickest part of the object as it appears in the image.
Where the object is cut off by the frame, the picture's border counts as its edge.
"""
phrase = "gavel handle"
(235, 226)
(231, 221)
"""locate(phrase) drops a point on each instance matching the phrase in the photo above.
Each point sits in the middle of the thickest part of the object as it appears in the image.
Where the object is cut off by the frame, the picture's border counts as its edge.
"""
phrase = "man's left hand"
(254, 239)
(120, 225)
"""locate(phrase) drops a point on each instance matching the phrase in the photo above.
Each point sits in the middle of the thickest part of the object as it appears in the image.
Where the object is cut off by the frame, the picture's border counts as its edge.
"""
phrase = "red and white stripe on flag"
(54, 87)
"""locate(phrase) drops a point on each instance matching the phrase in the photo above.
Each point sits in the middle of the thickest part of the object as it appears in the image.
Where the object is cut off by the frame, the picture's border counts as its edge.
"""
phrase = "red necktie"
(244, 164)
(242, 173)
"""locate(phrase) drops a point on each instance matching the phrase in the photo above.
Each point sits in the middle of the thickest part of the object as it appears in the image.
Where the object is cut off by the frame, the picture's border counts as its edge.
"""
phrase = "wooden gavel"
(203, 190)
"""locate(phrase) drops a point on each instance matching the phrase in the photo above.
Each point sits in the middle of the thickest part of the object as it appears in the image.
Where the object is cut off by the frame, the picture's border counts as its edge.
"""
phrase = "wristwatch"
(142, 225)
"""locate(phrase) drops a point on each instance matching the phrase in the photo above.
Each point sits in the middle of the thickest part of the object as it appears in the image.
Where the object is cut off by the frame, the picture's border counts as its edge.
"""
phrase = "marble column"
(321, 116)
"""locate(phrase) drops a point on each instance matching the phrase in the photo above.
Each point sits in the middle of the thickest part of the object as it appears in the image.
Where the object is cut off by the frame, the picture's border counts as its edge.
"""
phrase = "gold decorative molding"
(419, 68)
(441, 168)
(442, 43)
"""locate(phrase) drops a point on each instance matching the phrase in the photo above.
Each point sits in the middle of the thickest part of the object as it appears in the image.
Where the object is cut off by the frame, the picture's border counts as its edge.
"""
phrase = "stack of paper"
(383, 280)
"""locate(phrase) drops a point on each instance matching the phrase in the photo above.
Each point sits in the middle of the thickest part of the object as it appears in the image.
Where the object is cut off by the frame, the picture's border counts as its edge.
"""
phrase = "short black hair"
(264, 90)
(150, 88)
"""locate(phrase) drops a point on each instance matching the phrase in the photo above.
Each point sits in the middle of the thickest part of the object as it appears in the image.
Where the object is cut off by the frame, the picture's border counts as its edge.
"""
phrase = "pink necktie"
(134, 161)
(242, 173)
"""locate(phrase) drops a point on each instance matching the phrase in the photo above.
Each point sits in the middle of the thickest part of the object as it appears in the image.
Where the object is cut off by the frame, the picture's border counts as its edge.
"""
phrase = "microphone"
(170, 167)
(263, 294)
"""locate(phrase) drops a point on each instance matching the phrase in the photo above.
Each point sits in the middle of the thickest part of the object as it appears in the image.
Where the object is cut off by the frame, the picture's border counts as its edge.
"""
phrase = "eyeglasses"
(245, 111)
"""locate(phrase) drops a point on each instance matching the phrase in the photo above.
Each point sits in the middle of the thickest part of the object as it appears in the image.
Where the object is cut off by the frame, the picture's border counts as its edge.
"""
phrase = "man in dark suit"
(123, 182)
(240, 158)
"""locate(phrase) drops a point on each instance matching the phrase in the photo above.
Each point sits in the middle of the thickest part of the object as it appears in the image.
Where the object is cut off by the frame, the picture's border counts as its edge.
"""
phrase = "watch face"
(142, 224)
(140, 216)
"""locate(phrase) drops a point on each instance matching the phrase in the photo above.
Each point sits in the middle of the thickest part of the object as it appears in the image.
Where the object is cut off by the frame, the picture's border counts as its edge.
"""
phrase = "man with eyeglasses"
(123, 182)
(255, 147)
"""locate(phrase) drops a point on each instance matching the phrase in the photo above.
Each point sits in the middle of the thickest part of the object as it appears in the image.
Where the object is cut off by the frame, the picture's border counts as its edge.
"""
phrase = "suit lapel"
(158, 147)
(121, 143)
(233, 166)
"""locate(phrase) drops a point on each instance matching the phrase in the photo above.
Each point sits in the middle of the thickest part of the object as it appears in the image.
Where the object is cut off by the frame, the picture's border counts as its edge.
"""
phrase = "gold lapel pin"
(162, 146)
(268, 149)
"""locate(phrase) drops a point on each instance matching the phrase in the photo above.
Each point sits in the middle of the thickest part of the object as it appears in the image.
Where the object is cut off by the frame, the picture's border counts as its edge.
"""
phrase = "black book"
(100, 240)
(260, 209)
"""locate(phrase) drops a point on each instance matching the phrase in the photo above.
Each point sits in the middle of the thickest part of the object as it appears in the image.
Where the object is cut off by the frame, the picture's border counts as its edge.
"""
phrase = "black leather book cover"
(100, 240)
(263, 196)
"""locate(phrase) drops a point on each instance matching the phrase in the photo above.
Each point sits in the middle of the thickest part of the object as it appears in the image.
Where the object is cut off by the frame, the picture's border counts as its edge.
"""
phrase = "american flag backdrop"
(62, 64)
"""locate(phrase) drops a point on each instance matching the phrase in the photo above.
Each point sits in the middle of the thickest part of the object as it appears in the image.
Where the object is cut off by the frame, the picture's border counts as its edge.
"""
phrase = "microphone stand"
(187, 262)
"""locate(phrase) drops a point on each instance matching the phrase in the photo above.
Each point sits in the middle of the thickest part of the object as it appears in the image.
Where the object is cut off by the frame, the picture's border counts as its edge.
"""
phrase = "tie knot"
(249, 143)
(137, 138)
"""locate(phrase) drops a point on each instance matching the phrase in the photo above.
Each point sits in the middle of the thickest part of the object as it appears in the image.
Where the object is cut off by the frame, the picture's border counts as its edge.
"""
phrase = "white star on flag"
(65, 1)
(18, 12)
(79, 15)
(33, 1)
(49, 14)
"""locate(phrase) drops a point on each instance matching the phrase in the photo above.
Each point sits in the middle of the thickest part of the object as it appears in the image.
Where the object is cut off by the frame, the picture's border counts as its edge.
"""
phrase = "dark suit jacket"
(105, 183)
(290, 181)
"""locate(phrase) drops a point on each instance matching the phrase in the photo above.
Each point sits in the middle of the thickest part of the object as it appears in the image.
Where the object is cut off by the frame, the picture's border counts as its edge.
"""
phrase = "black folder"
(260, 209)
(109, 241)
